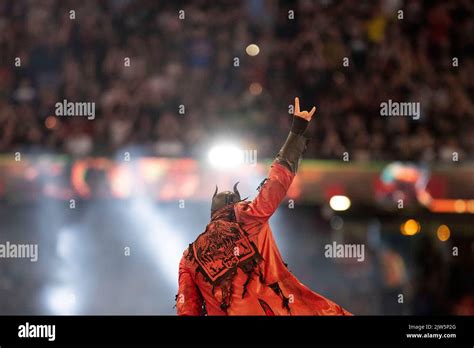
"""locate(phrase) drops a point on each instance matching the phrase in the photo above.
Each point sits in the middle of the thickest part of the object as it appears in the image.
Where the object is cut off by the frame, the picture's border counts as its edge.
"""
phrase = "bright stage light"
(161, 238)
(339, 203)
(226, 156)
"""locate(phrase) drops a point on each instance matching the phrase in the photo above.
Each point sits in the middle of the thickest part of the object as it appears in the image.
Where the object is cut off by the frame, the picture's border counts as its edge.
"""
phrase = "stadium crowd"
(168, 77)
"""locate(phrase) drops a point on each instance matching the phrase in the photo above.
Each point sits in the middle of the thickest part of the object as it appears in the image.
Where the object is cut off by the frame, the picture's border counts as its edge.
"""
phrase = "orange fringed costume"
(235, 267)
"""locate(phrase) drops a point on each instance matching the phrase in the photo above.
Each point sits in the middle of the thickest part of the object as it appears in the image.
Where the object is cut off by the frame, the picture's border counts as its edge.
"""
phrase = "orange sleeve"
(189, 300)
(270, 196)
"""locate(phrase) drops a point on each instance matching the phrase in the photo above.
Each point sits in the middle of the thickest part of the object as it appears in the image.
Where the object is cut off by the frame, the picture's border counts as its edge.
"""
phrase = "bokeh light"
(252, 50)
(255, 89)
(443, 233)
(339, 203)
(460, 206)
(51, 122)
(410, 227)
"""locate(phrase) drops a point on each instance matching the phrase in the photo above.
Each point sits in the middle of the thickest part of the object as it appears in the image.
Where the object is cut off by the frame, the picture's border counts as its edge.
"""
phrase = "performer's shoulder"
(241, 206)
(188, 253)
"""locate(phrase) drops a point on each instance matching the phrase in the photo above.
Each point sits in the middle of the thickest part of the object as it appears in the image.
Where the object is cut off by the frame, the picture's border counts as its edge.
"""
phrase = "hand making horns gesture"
(303, 114)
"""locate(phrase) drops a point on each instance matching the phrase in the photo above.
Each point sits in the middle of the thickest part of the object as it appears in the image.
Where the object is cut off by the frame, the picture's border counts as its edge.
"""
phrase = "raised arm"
(283, 169)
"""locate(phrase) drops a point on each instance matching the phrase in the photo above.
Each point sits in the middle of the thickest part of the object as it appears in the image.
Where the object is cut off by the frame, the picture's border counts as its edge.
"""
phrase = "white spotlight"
(61, 301)
(339, 203)
(226, 156)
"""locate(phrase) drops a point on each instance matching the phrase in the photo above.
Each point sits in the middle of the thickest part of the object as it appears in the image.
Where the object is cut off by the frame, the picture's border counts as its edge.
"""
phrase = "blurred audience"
(168, 85)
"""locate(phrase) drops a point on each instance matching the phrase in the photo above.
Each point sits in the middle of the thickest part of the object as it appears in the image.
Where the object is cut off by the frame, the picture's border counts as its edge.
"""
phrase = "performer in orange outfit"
(234, 267)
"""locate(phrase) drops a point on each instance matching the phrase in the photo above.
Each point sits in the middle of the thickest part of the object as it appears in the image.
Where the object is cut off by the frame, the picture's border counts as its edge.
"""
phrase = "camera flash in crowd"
(252, 50)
